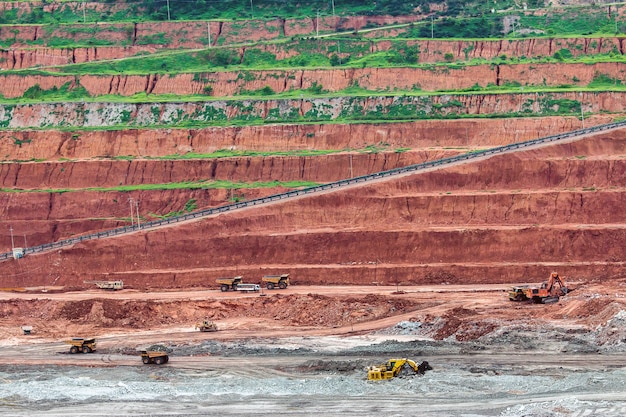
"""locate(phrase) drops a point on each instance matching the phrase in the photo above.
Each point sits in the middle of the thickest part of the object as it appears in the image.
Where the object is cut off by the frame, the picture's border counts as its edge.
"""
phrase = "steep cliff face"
(374, 79)
(461, 224)
(85, 174)
(56, 115)
(17, 58)
(51, 145)
(39, 218)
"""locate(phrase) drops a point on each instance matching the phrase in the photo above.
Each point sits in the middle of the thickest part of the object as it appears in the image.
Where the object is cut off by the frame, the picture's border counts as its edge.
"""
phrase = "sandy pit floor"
(490, 356)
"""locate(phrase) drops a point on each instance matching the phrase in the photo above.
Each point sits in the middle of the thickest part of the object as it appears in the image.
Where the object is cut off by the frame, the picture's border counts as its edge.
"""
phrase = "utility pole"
(317, 24)
(582, 114)
(339, 50)
(84, 16)
(251, 9)
(432, 27)
(208, 31)
(132, 216)
(137, 209)
(333, 3)
(351, 175)
(168, 9)
(12, 243)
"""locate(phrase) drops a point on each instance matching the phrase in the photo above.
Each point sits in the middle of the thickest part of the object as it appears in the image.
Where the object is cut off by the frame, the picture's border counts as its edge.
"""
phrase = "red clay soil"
(464, 313)
(374, 79)
(44, 217)
(26, 145)
(467, 223)
(320, 169)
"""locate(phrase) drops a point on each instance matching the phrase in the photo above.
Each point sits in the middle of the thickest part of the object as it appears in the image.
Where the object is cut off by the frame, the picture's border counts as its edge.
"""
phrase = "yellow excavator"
(397, 368)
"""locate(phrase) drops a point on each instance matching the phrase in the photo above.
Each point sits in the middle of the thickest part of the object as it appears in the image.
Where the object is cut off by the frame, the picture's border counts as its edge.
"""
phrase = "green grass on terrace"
(190, 185)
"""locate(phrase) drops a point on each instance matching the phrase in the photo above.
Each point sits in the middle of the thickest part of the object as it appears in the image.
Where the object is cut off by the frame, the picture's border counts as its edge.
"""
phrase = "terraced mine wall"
(30, 46)
(187, 34)
(57, 115)
(374, 79)
(549, 201)
(47, 215)
(26, 145)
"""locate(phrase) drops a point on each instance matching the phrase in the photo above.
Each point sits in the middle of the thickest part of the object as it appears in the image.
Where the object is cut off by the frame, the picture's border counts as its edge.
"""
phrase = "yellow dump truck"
(273, 281)
(229, 283)
(154, 356)
(81, 345)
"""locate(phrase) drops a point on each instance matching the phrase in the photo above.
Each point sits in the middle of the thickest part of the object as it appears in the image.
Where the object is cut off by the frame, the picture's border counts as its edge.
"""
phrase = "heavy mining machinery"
(397, 368)
(548, 292)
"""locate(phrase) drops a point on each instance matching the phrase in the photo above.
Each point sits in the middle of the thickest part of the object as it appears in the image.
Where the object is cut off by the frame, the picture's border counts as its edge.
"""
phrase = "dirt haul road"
(491, 357)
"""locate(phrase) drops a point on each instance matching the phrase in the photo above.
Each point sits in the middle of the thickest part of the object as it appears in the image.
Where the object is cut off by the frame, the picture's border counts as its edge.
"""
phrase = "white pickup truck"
(248, 287)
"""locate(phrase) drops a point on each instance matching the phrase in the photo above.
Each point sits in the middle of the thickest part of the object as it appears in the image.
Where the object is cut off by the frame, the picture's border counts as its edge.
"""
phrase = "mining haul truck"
(81, 345)
(156, 354)
(273, 281)
(155, 357)
(229, 283)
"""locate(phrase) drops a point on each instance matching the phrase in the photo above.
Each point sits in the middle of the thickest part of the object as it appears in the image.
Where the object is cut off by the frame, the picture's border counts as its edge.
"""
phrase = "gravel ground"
(327, 376)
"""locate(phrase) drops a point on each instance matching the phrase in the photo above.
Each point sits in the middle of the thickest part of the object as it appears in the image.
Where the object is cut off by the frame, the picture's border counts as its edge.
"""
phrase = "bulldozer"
(397, 368)
(81, 345)
(206, 326)
(548, 292)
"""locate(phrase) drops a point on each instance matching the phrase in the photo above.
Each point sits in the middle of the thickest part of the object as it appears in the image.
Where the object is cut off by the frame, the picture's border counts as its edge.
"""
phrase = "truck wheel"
(224, 288)
(282, 285)
(167, 359)
(158, 360)
(145, 360)
(270, 285)
(74, 349)
(86, 349)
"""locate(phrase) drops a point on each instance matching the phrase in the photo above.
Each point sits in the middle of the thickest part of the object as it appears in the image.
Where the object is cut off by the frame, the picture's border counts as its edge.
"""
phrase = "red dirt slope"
(462, 224)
